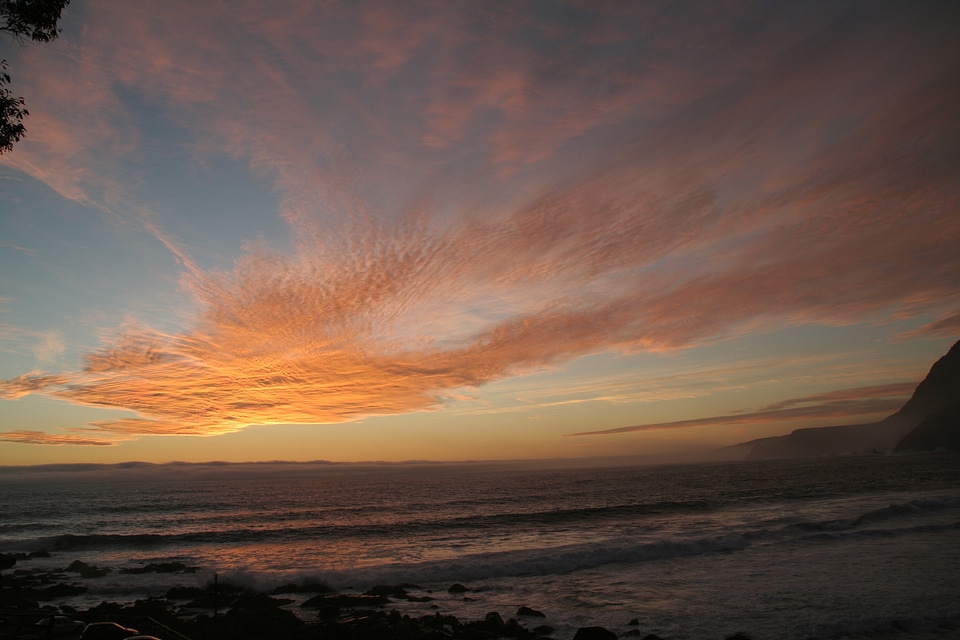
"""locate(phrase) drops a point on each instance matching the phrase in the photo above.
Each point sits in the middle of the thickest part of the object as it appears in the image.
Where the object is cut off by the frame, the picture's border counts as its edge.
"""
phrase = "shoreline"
(222, 609)
(305, 611)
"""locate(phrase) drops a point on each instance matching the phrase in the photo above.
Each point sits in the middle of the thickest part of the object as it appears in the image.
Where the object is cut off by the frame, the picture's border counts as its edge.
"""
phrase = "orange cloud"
(676, 194)
(40, 437)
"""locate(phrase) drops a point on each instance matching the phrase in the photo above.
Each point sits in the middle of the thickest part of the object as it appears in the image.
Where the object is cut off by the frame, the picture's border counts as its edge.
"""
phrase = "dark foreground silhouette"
(224, 611)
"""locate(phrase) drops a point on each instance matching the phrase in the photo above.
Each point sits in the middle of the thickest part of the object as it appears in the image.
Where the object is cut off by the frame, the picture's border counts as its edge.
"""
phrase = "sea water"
(788, 549)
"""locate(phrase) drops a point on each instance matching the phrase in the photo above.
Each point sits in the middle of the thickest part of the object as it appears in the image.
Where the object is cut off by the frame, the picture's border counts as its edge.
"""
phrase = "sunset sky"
(352, 231)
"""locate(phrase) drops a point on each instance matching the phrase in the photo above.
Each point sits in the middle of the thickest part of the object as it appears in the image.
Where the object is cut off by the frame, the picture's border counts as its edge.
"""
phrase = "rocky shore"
(220, 610)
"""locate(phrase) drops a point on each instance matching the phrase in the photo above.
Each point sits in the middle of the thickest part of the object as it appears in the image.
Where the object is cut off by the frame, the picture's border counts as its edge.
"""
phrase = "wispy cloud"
(843, 404)
(50, 348)
(900, 389)
(43, 438)
(473, 195)
(946, 325)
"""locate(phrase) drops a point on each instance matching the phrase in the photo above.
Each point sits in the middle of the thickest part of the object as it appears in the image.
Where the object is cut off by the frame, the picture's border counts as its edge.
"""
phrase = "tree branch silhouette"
(23, 20)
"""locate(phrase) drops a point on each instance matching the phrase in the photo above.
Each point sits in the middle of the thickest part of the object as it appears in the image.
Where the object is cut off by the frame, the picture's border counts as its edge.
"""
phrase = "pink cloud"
(684, 186)
(947, 325)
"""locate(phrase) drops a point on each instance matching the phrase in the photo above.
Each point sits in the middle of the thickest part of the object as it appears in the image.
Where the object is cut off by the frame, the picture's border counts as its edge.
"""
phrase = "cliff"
(927, 421)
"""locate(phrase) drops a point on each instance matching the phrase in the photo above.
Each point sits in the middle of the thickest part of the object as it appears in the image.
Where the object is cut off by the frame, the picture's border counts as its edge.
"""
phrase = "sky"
(355, 231)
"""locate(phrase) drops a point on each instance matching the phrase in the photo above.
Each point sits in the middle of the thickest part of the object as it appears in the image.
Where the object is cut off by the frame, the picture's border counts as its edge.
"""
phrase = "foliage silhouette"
(24, 20)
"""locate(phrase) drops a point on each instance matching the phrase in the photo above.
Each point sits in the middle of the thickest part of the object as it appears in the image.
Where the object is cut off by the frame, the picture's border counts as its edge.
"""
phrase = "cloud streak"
(842, 404)
(43, 438)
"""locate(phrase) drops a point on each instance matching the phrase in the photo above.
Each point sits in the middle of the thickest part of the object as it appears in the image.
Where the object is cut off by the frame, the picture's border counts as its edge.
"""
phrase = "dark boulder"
(59, 591)
(594, 633)
(310, 586)
(8, 560)
(392, 591)
(493, 622)
(20, 603)
(457, 588)
(264, 623)
(85, 570)
(257, 602)
(160, 567)
(185, 593)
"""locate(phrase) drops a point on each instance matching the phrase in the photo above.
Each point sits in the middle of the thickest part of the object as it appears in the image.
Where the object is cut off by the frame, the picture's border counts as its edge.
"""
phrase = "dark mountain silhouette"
(939, 430)
(929, 420)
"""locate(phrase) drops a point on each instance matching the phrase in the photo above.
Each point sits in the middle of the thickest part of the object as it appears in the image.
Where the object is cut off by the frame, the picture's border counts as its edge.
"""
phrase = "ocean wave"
(539, 561)
(914, 507)
(532, 562)
(889, 514)
(849, 534)
(228, 530)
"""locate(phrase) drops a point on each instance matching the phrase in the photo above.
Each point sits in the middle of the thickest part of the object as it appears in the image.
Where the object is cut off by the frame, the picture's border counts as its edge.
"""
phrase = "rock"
(493, 622)
(310, 586)
(59, 591)
(85, 570)
(543, 630)
(527, 611)
(739, 636)
(594, 633)
(431, 634)
(43, 553)
(186, 593)
(7, 561)
(396, 591)
(161, 567)
(514, 629)
(257, 602)
(20, 603)
(105, 609)
(328, 612)
(457, 588)
(633, 623)
(265, 623)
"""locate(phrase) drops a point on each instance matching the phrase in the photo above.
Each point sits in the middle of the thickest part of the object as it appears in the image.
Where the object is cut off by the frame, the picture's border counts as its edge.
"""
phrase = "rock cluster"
(222, 610)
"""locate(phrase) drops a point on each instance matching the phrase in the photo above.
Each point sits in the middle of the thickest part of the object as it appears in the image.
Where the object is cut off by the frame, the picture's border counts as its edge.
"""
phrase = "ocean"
(862, 546)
